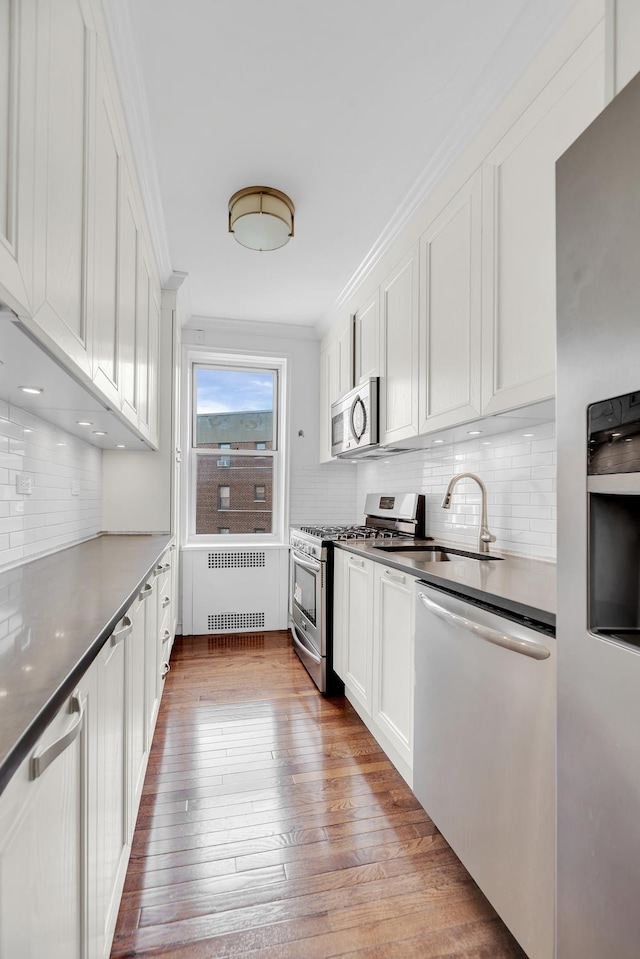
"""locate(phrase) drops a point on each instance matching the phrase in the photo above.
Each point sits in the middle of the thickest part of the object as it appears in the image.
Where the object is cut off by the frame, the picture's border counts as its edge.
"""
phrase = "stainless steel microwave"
(354, 421)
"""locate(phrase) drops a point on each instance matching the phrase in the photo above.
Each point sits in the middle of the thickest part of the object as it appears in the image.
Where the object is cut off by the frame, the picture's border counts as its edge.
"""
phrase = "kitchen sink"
(435, 554)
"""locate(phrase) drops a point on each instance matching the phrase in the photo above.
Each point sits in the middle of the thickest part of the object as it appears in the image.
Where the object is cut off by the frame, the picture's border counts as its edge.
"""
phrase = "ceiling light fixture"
(99, 432)
(261, 218)
(31, 389)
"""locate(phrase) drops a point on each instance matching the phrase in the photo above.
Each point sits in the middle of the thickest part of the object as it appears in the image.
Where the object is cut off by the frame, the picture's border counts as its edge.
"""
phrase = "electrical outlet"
(200, 337)
(24, 483)
(75, 487)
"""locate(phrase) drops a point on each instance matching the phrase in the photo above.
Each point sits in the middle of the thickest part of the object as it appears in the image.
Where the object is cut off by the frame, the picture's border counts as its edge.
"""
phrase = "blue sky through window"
(234, 391)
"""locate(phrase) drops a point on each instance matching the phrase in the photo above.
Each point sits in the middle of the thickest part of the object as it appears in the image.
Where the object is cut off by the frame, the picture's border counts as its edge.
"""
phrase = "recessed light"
(528, 434)
(61, 444)
(27, 430)
(629, 439)
(486, 442)
(616, 434)
(31, 389)
(474, 432)
(120, 446)
(99, 432)
(438, 441)
(83, 423)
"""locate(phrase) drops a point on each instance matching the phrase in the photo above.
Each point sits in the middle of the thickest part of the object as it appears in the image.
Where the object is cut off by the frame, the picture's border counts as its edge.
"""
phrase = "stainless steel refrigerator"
(598, 623)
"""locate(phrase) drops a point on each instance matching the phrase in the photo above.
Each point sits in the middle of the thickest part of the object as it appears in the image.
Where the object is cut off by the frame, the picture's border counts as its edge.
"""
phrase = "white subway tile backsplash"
(49, 517)
(519, 473)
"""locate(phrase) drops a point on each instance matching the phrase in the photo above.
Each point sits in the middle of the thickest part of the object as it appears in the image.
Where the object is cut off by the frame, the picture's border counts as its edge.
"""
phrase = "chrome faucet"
(484, 536)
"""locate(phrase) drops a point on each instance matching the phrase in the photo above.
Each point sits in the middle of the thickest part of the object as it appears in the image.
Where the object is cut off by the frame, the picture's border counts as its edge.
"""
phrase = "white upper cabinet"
(366, 339)
(147, 345)
(66, 52)
(519, 281)
(399, 351)
(335, 380)
(17, 110)
(451, 312)
(104, 228)
(128, 243)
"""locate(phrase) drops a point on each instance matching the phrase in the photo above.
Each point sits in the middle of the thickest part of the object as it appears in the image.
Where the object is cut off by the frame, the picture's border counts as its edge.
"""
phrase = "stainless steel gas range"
(388, 515)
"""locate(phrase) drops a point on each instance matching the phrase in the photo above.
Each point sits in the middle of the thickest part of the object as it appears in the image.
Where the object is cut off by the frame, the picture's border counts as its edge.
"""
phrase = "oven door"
(307, 600)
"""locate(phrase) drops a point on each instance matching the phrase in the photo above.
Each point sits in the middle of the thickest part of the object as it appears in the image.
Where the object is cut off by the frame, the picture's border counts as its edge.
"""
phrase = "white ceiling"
(348, 106)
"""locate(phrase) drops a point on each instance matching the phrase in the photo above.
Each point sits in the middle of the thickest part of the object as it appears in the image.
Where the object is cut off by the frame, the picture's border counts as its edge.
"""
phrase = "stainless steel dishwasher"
(484, 754)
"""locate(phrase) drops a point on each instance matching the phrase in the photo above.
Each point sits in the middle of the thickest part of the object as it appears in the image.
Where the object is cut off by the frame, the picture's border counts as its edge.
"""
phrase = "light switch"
(75, 487)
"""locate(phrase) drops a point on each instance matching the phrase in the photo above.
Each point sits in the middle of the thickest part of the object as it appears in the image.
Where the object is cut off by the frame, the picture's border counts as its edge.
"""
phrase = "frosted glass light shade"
(261, 218)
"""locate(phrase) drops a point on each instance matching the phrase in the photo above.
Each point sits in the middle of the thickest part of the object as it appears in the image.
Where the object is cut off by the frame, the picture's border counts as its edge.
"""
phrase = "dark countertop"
(57, 613)
(512, 583)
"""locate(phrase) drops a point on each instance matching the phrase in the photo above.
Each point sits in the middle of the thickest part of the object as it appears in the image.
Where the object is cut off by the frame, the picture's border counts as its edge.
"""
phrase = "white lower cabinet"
(43, 843)
(357, 611)
(68, 814)
(373, 648)
(109, 804)
(393, 636)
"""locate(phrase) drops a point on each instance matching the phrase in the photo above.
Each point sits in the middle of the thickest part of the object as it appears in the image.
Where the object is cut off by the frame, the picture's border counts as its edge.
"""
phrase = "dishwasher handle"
(527, 647)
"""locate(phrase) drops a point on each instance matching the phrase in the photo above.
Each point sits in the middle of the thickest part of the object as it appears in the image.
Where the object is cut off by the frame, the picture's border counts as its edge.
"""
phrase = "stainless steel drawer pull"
(157, 569)
(166, 601)
(119, 634)
(395, 577)
(527, 647)
(40, 760)
(356, 562)
(166, 636)
(305, 649)
(146, 591)
(165, 669)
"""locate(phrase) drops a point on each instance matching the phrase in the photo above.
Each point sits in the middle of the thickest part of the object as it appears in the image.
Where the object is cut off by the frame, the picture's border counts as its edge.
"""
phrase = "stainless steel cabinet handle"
(305, 650)
(165, 669)
(166, 636)
(172, 547)
(40, 760)
(395, 577)
(146, 591)
(157, 569)
(356, 562)
(527, 647)
(119, 634)
(166, 601)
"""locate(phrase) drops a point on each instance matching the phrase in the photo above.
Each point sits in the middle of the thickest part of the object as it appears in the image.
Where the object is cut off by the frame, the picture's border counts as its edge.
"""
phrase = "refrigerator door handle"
(526, 647)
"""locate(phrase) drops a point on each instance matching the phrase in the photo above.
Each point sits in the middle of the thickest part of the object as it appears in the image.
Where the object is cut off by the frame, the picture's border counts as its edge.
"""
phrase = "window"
(235, 463)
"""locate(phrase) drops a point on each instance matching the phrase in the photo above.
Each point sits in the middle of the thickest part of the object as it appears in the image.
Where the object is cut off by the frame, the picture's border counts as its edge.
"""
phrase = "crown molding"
(134, 102)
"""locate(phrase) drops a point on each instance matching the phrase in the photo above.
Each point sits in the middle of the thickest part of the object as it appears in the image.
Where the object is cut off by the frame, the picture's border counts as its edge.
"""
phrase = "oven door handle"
(307, 564)
(305, 649)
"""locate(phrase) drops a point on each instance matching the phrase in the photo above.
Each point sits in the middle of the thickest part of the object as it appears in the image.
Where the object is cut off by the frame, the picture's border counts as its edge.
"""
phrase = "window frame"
(240, 362)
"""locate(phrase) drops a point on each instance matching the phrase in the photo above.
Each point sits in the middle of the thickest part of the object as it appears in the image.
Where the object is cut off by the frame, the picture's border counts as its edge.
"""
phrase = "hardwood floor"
(272, 826)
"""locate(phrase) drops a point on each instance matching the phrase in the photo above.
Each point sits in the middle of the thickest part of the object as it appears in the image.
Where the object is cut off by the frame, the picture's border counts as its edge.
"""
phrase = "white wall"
(51, 517)
(520, 475)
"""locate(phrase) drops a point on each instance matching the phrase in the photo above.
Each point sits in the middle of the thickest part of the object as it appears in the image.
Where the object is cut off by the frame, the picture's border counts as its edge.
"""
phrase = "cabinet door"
(399, 348)
(136, 730)
(366, 339)
(450, 312)
(393, 658)
(104, 228)
(128, 244)
(43, 845)
(66, 59)
(111, 780)
(358, 600)
(147, 345)
(17, 89)
(148, 596)
(345, 360)
(519, 288)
